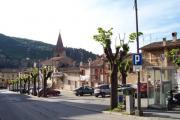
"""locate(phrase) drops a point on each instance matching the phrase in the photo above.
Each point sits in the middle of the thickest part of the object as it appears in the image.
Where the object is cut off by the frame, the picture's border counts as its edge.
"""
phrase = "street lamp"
(138, 112)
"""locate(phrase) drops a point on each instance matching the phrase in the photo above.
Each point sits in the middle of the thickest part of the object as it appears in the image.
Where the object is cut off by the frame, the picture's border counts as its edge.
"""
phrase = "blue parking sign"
(137, 59)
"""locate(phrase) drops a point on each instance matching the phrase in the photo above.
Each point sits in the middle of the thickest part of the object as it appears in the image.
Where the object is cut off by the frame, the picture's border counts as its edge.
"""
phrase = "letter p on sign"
(137, 59)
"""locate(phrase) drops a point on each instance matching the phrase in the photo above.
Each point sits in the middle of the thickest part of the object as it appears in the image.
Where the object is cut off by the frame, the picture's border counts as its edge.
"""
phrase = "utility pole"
(138, 112)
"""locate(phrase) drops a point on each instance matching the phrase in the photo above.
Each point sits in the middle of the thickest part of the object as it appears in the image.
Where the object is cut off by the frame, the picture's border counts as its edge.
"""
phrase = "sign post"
(137, 67)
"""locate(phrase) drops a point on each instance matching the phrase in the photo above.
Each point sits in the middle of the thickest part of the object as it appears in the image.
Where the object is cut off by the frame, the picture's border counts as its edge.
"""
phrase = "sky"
(78, 20)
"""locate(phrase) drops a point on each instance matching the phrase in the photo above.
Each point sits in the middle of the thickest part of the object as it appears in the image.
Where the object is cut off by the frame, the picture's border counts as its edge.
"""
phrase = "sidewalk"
(149, 114)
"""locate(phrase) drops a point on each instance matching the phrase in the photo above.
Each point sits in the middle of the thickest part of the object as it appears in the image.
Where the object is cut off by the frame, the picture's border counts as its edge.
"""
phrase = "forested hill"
(19, 52)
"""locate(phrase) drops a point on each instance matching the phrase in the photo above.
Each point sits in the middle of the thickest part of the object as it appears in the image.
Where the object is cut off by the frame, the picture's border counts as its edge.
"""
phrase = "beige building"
(65, 75)
(155, 55)
(95, 72)
(159, 71)
(6, 75)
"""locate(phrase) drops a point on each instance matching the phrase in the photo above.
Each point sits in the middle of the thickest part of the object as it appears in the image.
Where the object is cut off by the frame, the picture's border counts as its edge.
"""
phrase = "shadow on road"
(21, 107)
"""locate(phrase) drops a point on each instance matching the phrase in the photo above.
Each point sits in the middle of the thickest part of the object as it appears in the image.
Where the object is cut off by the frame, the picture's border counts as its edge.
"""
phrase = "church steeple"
(59, 48)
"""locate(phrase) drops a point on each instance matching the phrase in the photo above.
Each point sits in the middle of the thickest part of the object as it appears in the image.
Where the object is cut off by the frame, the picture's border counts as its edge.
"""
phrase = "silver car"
(102, 90)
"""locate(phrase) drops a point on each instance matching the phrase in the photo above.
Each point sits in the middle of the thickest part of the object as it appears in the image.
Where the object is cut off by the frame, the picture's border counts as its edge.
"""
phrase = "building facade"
(95, 72)
(159, 71)
(6, 75)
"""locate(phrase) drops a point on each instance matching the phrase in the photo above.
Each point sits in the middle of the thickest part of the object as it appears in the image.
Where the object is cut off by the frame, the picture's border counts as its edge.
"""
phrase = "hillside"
(15, 51)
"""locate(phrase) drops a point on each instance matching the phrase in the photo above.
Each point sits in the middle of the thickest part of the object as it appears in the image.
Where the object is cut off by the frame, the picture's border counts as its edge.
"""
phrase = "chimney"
(164, 41)
(174, 36)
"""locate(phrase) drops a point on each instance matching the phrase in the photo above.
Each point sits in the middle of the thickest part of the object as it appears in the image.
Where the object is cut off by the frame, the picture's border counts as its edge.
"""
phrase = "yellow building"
(6, 75)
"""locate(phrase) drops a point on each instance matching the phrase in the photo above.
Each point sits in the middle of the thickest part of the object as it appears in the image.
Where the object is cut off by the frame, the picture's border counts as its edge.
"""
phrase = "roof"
(158, 45)
(100, 61)
(57, 60)
(59, 48)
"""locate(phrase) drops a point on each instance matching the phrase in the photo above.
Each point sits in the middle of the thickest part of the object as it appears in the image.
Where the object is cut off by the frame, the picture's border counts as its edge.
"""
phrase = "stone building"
(65, 74)
(6, 75)
(159, 71)
(95, 72)
(155, 55)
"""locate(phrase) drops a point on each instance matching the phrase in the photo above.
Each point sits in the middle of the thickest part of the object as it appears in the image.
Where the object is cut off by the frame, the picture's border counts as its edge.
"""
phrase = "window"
(82, 72)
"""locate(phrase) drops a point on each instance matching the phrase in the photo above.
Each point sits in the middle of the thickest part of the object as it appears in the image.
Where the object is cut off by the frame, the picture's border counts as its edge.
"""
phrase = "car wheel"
(77, 94)
(81, 94)
(103, 95)
(97, 95)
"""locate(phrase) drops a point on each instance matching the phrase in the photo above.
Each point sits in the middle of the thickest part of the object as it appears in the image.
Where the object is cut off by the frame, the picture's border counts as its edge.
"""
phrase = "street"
(67, 106)
(14, 106)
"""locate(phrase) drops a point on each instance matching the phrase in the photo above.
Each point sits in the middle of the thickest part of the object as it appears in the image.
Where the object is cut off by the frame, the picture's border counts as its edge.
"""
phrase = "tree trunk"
(17, 86)
(20, 86)
(123, 74)
(45, 87)
(114, 102)
(24, 86)
(34, 88)
(28, 86)
(13, 87)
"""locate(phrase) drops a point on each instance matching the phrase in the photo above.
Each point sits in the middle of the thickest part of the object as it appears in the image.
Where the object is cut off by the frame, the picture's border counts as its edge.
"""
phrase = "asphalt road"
(14, 106)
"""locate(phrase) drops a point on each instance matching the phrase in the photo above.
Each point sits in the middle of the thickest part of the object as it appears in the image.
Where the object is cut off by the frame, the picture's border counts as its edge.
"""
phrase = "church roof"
(57, 60)
(59, 46)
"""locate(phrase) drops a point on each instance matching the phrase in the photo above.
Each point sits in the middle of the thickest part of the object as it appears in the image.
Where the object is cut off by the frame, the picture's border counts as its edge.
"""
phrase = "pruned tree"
(117, 60)
(104, 38)
(17, 84)
(29, 82)
(47, 72)
(124, 61)
(34, 75)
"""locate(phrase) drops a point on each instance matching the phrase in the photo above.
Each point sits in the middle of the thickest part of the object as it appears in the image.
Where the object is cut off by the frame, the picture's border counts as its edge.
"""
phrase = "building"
(59, 59)
(159, 71)
(95, 72)
(6, 75)
(65, 74)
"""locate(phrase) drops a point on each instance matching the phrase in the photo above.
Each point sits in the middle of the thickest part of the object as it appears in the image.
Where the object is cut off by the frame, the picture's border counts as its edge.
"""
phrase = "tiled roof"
(158, 45)
(56, 60)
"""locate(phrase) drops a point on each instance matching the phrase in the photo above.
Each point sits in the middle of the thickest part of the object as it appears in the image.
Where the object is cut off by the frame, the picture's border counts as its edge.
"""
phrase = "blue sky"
(77, 20)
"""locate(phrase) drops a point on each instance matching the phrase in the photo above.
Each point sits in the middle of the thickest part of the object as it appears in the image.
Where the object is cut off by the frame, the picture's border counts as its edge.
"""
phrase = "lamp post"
(90, 60)
(138, 112)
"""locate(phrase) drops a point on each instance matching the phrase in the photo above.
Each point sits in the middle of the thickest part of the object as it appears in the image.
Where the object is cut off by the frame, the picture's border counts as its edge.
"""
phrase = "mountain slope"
(15, 51)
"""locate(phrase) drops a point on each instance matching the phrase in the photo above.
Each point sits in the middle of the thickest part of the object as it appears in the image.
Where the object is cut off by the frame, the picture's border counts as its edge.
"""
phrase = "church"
(59, 59)
(65, 74)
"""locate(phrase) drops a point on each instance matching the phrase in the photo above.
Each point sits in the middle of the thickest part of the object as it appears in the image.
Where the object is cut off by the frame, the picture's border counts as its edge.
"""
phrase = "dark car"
(84, 90)
(50, 92)
(126, 89)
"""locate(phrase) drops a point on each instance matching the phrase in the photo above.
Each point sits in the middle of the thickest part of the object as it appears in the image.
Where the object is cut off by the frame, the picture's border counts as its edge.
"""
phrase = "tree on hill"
(14, 55)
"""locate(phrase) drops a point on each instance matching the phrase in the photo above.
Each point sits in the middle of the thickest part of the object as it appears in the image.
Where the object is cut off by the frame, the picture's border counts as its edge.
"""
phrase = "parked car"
(126, 89)
(84, 90)
(143, 90)
(50, 92)
(102, 90)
